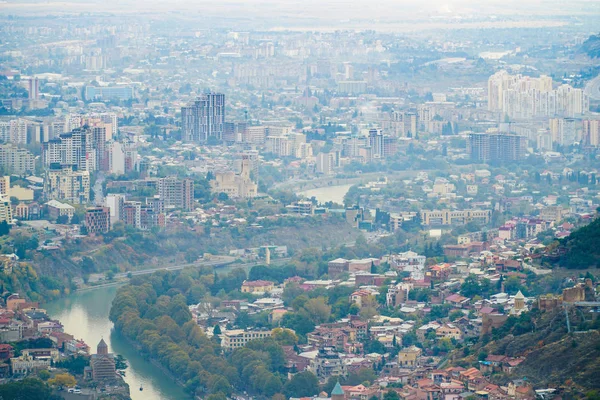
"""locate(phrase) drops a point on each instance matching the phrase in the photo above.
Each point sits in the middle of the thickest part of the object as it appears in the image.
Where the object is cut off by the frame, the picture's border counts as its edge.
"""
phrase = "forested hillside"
(592, 46)
(581, 249)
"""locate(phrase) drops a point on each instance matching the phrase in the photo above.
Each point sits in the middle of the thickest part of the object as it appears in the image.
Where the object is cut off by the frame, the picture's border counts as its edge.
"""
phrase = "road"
(217, 261)
(98, 193)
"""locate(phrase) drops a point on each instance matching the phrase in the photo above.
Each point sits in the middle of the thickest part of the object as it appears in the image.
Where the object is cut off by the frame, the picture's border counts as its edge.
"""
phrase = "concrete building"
(257, 287)
(496, 147)
(68, 184)
(519, 96)
(115, 203)
(74, 148)
(591, 133)
(325, 163)
(204, 119)
(97, 220)
(176, 193)
(447, 217)
(411, 262)
(57, 209)
(409, 357)
(5, 210)
(109, 92)
(16, 160)
(236, 338)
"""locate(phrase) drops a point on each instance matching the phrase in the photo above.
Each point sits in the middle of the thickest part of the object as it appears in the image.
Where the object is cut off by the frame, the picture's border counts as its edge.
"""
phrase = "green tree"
(303, 384)
(391, 395)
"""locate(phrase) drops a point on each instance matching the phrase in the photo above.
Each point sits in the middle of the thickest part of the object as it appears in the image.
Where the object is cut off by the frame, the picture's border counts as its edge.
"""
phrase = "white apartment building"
(233, 339)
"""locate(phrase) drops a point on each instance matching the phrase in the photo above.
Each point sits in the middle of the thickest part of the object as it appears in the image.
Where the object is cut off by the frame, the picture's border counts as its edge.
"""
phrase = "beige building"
(257, 287)
(447, 217)
(233, 339)
(409, 357)
(16, 160)
(235, 185)
(67, 184)
(57, 209)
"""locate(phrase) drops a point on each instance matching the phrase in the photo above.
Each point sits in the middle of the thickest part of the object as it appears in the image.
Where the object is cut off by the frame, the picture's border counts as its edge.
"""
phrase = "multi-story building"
(16, 160)
(519, 96)
(149, 218)
(411, 262)
(73, 148)
(564, 131)
(496, 147)
(67, 183)
(327, 363)
(235, 185)
(5, 210)
(236, 338)
(447, 217)
(400, 123)
(97, 220)
(115, 203)
(278, 145)
(409, 357)
(132, 214)
(398, 294)
(325, 163)
(14, 131)
(257, 287)
(591, 132)
(176, 193)
(108, 92)
(234, 132)
(204, 119)
(57, 209)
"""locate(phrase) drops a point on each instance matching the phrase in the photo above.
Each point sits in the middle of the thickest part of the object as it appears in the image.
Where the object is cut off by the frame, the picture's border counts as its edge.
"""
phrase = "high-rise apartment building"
(5, 210)
(519, 96)
(495, 147)
(14, 131)
(63, 182)
(204, 119)
(325, 163)
(115, 203)
(74, 148)
(176, 193)
(564, 131)
(16, 160)
(591, 133)
(33, 88)
(400, 123)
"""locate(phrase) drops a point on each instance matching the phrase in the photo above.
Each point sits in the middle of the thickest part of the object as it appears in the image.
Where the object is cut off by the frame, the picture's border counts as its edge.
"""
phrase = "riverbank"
(84, 314)
(155, 362)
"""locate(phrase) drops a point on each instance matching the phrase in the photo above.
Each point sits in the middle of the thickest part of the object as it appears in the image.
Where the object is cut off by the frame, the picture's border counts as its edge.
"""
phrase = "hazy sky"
(334, 10)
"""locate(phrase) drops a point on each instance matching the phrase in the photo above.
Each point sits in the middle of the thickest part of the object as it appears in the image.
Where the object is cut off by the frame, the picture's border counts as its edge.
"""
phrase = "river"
(328, 193)
(85, 316)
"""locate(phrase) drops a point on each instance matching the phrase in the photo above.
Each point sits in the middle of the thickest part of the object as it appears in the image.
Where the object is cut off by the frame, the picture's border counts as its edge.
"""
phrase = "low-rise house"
(448, 331)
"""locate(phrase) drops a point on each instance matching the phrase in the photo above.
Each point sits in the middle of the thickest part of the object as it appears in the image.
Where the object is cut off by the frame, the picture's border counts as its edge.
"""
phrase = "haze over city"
(299, 200)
